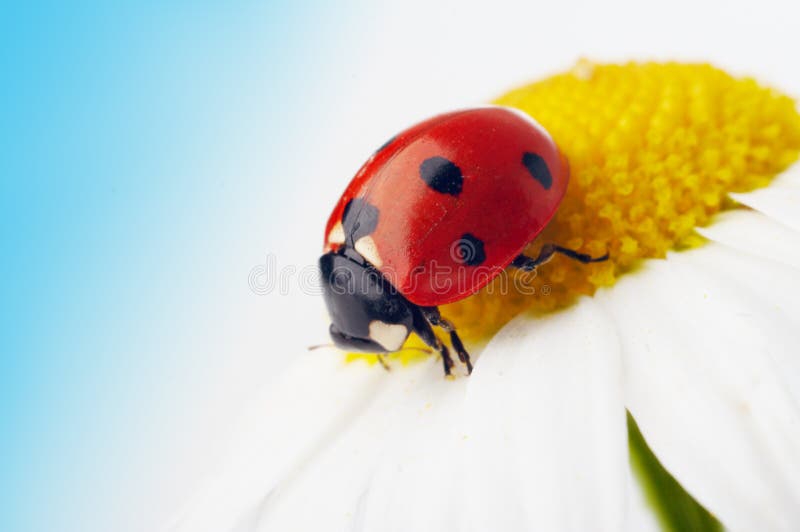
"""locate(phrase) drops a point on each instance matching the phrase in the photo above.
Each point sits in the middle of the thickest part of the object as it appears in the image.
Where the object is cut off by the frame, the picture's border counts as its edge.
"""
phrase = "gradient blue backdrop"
(141, 142)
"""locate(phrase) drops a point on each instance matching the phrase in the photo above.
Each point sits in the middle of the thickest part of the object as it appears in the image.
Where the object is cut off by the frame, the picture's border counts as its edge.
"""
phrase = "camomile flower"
(660, 388)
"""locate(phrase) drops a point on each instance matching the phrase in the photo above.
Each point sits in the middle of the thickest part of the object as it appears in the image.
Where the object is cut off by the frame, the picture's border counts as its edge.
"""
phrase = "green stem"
(676, 510)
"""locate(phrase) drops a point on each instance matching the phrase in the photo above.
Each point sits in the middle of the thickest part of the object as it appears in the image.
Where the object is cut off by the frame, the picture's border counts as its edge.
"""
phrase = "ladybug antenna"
(409, 348)
(415, 348)
(315, 347)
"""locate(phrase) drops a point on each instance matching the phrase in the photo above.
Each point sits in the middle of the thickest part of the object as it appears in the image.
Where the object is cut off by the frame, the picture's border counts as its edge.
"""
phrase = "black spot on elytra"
(538, 169)
(359, 219)
(442, 175)
(468, 250)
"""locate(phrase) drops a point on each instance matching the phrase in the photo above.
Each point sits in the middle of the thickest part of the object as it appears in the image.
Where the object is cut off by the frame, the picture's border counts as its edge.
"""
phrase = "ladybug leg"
(546, 253)
(463, 356)
(382, 361)
(424, 331)
(435, 318)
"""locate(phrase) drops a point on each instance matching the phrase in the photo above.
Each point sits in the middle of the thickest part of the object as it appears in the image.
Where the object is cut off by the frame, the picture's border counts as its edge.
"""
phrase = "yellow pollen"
(654, 149)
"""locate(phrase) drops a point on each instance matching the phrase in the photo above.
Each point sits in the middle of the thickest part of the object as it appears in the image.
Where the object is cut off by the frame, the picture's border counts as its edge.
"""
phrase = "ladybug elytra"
(433, 216)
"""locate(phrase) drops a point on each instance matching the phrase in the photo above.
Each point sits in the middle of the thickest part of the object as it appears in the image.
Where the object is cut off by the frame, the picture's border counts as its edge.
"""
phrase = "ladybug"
(434, 215)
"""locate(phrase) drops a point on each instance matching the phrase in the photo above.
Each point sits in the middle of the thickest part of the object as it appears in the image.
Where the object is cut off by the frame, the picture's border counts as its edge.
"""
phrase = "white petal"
(789, 177)
(417, 485)
(546, 435)
(773, 292)
(702, 380)
(754, 233)
(284, 429)
(782, 203)
(639, 516)
(335, 491)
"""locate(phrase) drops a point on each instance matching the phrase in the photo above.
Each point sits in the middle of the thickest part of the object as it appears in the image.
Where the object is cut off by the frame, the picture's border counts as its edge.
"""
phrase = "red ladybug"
(433, 216)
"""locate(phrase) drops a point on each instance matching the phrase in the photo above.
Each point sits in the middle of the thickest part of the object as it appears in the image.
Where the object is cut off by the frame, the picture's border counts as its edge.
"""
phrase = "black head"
(367, 312)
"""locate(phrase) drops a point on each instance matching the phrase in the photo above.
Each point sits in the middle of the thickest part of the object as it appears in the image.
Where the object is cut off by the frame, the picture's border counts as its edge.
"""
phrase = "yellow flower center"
(654, 149)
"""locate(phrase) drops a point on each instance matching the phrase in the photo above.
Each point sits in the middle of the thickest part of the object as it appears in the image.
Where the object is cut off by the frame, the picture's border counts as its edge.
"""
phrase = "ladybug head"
(367, 313)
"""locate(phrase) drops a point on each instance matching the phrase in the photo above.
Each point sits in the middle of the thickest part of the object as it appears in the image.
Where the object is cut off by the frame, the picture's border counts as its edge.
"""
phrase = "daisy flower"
(659, 388)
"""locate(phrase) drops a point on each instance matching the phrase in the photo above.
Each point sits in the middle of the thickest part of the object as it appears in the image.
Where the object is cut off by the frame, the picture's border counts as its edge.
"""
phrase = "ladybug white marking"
(366, 248)
(336, 236)
(390, 335)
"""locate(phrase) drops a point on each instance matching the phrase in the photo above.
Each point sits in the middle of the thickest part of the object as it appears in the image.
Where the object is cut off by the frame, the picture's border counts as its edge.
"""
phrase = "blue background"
(142, 150)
